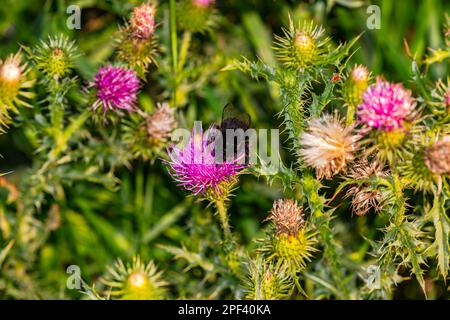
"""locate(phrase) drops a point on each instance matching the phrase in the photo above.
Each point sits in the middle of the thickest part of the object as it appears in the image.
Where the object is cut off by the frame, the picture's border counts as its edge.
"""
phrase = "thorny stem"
(174, 50)
(351, 110)
(322, 220)
(223, 216)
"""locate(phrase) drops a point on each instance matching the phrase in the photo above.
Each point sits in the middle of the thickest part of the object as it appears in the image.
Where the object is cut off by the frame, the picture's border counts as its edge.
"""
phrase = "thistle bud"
(266, 282)
(355, 85)
(55, 57)
(137, 43)
(13, 87)
(437, 157)
(135, 281)
(305, 47)
(195, 15)
(301, 46)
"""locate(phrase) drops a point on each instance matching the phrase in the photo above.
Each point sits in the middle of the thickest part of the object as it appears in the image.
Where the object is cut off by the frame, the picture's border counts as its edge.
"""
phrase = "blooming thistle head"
(14, 87)
(364, 195)
(196, 15)
(301, 46)
(355, 84)
(142, 21)
(195, 168)
(290, 245)
(385, 106)
(117, 89)
(135, 281)
(55, 57)
(327, 146)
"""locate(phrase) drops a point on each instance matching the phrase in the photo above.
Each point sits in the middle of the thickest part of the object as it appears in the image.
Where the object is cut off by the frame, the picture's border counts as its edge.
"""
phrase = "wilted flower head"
(328, 146)
(142, 21)
(291, 245)
(196, 169)
(385, 106)
(287, 216)
(160, 124)
(135, 281)
(365, 197)
(13, 87)
(117, 88)
(437, 156)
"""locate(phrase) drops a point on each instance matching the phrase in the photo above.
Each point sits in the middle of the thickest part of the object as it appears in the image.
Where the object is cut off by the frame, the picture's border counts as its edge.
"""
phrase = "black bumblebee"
(233, 119)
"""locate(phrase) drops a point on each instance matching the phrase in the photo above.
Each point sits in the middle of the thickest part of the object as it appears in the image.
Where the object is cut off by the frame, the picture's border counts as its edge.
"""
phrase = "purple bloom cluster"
(195, 166)
(385, 106)
(117, 88)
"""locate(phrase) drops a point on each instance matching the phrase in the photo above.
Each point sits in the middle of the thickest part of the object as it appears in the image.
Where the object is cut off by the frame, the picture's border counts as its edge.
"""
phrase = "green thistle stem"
(321, 218)
(174, 49)
(351, 110)
(223, 216)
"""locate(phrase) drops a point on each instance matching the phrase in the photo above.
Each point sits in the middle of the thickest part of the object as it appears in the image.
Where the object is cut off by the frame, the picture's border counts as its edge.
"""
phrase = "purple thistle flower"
(195, 166)
(385, 106)
(203, 3)
(117, 88)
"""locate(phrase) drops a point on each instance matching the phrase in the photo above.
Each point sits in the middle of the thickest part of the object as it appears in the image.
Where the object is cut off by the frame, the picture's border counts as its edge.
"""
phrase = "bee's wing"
(231, 112)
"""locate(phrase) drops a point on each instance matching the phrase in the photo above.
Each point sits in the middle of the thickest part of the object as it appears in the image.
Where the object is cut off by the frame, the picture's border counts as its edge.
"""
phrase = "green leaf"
(442, 235)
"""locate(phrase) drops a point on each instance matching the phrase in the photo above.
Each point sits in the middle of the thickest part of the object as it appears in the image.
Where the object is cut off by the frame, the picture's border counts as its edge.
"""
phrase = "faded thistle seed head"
(160, 125)
(287, 216)
(195, 15)
(289, 245)
(328, 146)
(135, 281)
(355, 85)
(55, 57)
(148, 137)
(365, 197)
(14, 87)
(301, 46)
(437, 156)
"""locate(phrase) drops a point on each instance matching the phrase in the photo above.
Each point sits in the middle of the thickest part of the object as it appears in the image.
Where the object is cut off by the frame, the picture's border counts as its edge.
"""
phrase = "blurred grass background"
(97, 224)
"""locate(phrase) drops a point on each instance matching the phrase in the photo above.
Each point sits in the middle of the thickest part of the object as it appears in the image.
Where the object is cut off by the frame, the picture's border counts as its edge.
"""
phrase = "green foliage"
(90, 189)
